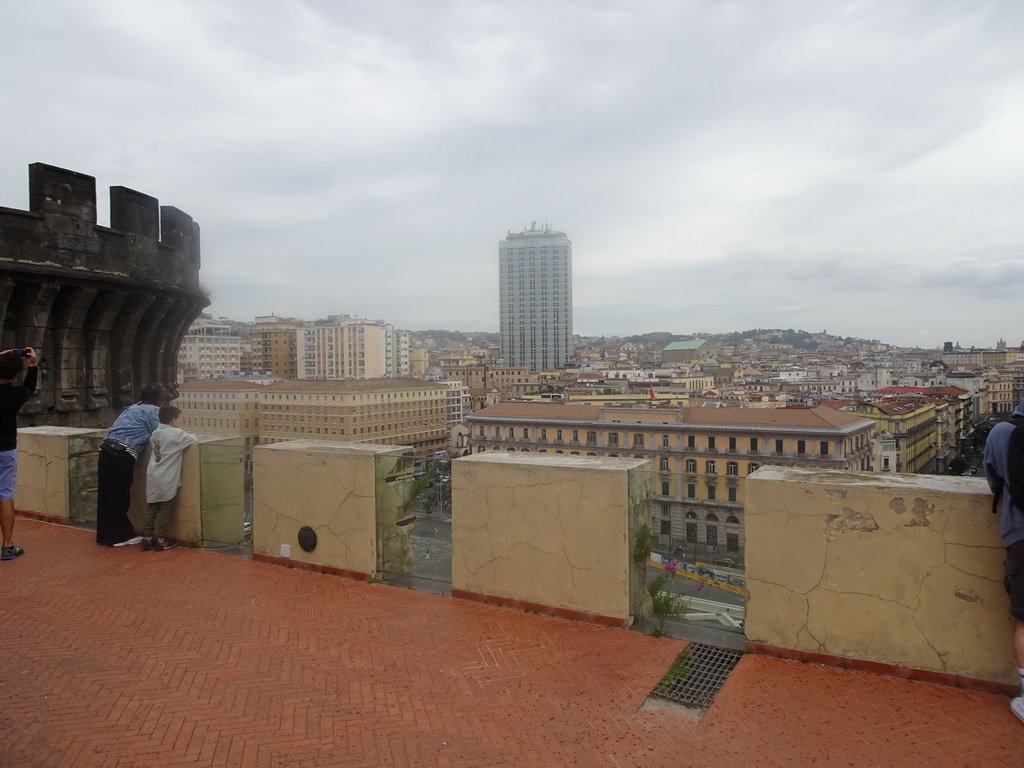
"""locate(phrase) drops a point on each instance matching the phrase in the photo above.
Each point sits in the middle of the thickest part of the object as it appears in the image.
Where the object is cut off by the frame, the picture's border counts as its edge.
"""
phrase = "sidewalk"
(111, 657)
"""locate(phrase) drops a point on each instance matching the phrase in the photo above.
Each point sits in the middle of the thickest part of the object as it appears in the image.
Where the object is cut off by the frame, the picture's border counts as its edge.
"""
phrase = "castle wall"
(106, 306)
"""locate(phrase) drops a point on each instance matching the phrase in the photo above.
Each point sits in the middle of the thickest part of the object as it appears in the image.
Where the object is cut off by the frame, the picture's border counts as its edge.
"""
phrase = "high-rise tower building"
(535, 298)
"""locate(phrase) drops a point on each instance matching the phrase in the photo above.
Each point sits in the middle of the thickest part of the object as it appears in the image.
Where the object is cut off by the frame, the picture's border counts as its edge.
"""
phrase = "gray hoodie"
(1011, 524)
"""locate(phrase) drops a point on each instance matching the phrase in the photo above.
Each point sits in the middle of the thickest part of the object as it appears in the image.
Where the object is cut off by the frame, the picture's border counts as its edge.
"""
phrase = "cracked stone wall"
(548, 530)
(900, 569)
(329, 486)
(56, 477)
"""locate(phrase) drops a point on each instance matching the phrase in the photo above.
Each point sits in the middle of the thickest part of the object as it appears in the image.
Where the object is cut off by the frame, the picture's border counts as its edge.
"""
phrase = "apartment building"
(913, 426)
(382, 411)
(700, 455)
(208, 350)
(351, 348)
(274, 346)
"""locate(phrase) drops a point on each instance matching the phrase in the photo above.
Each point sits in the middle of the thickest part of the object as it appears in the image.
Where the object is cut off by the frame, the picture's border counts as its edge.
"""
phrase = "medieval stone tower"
(105, 307)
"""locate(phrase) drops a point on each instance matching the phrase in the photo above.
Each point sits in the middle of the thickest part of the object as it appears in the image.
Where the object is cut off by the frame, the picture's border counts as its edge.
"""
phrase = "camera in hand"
(20, 352)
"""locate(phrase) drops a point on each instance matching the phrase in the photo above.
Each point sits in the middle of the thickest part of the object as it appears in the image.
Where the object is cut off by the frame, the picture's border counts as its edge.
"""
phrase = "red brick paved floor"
(114, 657)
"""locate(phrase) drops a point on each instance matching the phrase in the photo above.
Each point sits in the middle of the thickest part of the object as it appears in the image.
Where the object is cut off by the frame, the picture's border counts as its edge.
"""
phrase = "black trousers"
(115, 474)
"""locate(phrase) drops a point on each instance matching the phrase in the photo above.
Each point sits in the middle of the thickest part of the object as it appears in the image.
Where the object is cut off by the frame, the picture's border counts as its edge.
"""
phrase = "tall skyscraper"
(535, 298)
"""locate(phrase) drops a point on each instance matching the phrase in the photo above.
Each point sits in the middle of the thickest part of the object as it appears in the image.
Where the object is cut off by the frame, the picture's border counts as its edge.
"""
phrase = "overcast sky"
(856, 167)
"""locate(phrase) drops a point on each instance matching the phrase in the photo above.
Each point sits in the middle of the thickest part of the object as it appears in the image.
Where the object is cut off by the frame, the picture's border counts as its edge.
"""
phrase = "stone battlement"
(145, 241)
(106, 306)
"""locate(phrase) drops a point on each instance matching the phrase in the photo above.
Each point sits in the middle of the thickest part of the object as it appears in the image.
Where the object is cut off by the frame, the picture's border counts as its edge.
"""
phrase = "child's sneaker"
(11, 552)
(161, 544)
(1017, 707)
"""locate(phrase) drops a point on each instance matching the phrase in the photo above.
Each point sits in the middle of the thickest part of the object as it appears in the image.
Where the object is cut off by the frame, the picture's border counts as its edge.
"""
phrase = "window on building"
(885, 464)
(663, 464)
(691, 441)
(613, 438)
(666, 488)
(664, 441)
(753, 443)
(666, 527)
(778, 446)
(732, 542)
(709, 467)
(824, 447)
(575, 435)
(691, 490)
(638, 440)
(752, 468)
(732, 468)
(691, 533)
(711, 535)
(733, 493)
(543, 434)
(591, 438)
(711, 442)
(712, 492)
(691, 465)
(558, 435)
(732, 443)
(801, 446)
(511, 433)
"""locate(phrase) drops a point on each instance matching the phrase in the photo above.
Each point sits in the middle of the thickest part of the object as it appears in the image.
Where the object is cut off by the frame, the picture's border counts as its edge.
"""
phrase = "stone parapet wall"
(902, 572)
(349, 494)
(551, 533)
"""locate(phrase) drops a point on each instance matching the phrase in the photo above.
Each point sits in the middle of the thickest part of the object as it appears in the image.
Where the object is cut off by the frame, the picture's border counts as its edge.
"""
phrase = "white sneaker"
(1017, 707)
(130, 543)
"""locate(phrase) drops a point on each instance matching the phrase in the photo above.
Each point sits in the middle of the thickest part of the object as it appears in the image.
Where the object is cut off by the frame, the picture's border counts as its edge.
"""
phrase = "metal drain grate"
(697, 675)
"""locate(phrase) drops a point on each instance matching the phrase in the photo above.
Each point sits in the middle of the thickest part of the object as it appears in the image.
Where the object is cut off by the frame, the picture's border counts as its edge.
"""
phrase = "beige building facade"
(224, 408)
(408, 412)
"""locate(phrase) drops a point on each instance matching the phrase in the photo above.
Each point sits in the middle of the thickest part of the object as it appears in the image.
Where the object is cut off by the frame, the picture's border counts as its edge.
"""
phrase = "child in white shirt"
(163, 476)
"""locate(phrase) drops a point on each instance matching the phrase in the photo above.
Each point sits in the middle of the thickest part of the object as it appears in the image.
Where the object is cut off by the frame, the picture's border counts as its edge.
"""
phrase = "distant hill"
(798, 339)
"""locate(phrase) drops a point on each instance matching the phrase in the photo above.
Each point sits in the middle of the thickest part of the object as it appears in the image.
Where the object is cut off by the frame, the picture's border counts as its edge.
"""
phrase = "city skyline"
(719, 166)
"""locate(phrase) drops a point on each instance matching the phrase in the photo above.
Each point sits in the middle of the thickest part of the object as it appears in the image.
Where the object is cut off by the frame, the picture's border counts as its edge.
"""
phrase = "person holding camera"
(12, 397)
(125, 441)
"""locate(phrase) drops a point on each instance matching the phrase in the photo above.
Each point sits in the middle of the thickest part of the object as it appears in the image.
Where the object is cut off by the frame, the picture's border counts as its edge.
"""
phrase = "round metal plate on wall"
(307, 538)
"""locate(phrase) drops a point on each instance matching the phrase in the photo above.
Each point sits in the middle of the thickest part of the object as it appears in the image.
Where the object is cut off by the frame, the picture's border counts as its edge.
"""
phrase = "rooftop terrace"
(115, 657)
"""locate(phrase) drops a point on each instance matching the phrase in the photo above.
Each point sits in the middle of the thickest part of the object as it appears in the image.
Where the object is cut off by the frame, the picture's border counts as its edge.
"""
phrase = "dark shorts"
(1013, 579)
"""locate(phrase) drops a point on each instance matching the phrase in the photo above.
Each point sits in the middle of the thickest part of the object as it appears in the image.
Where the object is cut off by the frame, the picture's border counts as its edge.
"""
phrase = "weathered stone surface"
(556, 531)
(904, 570)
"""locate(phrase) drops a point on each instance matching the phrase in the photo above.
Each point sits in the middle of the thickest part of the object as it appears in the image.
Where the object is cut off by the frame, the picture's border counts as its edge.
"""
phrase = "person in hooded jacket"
(1011, 529)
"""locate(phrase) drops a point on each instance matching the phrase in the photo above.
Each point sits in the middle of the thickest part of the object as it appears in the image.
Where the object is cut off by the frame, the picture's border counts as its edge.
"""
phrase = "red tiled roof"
(771, 417)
